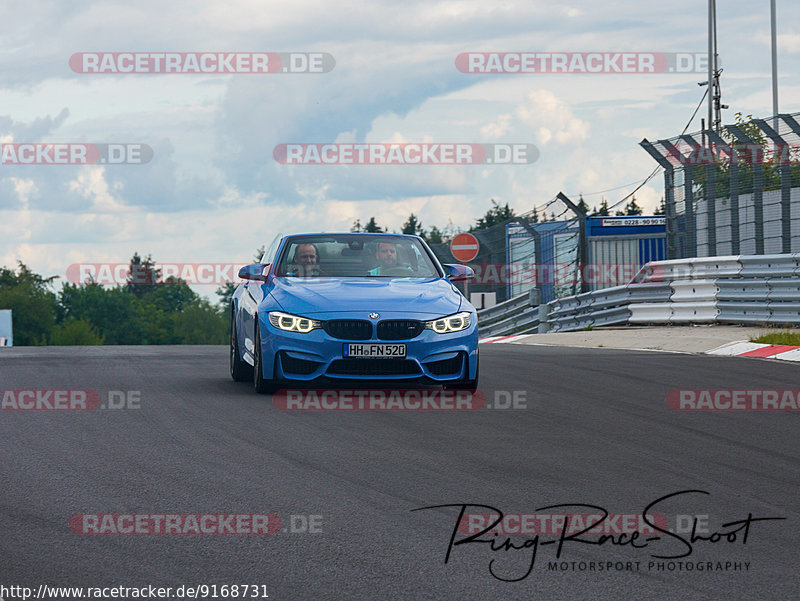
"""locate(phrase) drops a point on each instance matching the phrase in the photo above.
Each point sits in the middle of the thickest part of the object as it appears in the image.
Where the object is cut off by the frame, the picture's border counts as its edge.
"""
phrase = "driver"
(386, 255)
(304, 262)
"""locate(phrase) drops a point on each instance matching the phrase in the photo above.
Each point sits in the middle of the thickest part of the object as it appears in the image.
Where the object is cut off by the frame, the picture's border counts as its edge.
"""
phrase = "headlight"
(292, 323)
(451, 323)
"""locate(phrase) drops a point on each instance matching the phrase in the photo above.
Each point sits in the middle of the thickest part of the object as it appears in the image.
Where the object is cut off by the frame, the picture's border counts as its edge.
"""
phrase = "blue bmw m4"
(347, 308)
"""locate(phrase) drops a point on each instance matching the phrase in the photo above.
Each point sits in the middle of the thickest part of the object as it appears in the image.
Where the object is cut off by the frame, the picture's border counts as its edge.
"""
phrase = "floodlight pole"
(710, 62)
(773, 24)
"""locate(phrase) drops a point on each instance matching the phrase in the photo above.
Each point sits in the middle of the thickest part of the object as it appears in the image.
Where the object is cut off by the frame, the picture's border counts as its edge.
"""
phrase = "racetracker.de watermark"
(556, 523)
(553, 523)
(605, 274)
(53, 399)
(193, 523)
(219, 274)
(405, 153)
(379, 400)
(116, 274)
(582, 62)
(79, 153)
(728, 399)
(683, 154)
(201, 62)
(398, 400)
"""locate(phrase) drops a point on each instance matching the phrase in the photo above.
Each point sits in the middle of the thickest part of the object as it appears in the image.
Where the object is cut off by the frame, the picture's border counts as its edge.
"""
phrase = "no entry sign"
(464, 247)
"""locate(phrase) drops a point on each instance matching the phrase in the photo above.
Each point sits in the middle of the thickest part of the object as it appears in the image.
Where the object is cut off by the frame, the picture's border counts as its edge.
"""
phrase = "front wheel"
(262, 385)
(241, 371)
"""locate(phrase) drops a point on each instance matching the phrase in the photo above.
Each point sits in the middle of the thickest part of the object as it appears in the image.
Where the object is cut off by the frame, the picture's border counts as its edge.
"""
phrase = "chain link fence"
(736, 191)
(538, 251)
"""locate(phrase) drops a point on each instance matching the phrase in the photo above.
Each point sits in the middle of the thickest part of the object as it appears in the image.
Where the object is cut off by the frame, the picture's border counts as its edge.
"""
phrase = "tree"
(200, 323)
(751, 130)
(413, 226)
(33, 305)
(662, 208)
(225, 294)
(142, 275)
(434, 236)
(717, 165)
(450, 231)
(602, 210)
(495, 215)
(112, 312)
(535, 216)
(356, 227)
(632, 208)
(372, 227)
(75, 332)
(172, 295)
(163, 313)
(582, 204)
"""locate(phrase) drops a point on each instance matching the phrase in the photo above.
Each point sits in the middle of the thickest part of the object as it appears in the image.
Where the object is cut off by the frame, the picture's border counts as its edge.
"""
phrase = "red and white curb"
(491, 339)
(733, 349)
(757, 349)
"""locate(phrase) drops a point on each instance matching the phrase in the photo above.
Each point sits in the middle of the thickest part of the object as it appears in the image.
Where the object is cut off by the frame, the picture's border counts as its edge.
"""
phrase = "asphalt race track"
(596, 430)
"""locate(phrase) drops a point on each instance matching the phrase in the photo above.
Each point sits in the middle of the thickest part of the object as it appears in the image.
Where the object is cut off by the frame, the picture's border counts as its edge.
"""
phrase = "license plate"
(374, 351)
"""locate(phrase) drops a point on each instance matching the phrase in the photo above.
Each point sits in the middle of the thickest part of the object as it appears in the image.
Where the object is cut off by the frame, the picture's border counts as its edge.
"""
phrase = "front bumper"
(430, 357)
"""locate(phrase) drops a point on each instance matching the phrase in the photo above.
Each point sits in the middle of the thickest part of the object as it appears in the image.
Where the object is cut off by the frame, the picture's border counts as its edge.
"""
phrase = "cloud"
(213, 188)
(92, 185)
(552, 119)
(25, 189)
(498, 128)
(787, 42)
(36, 131)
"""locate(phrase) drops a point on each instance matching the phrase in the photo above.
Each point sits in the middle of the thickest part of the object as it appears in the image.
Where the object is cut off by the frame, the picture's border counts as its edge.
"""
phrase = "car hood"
(428, 297)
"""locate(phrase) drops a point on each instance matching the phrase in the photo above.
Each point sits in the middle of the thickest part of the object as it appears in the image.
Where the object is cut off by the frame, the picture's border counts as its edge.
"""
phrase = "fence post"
(582, 251)
(543, 325)
(669, 197)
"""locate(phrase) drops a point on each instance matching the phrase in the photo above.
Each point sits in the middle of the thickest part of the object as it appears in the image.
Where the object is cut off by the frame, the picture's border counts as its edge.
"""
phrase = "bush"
(73, 332)
(32, 303)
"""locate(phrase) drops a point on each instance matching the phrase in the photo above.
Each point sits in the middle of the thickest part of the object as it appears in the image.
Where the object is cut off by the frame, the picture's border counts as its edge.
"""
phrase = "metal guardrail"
(504, 309)
(516, 315)
(730, 289)
(525, 321)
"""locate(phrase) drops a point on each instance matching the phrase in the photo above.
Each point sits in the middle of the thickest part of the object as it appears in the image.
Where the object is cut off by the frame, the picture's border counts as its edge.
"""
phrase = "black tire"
(261, 385)
(241, 371)
(470, 385)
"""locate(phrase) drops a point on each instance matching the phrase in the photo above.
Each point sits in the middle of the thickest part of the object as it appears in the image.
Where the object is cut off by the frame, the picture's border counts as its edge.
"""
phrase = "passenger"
(386, 255)
(305, 261)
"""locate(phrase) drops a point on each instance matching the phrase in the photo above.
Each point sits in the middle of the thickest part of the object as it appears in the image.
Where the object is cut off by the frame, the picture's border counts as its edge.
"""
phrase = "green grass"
(790, 337)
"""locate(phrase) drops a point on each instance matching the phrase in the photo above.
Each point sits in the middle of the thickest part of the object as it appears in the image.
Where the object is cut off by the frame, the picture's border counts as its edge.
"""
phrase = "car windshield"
(356, 255)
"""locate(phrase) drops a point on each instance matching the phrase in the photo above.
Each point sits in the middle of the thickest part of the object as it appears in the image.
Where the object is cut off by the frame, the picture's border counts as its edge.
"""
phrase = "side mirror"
(459, 273)
(254, 271)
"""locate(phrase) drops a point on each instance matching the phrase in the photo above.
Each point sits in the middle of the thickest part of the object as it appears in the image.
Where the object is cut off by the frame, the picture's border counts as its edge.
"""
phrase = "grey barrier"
(733, 289)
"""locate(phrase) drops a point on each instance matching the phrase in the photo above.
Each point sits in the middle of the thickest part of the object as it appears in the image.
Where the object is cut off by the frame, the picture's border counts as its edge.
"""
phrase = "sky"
(214, 191)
